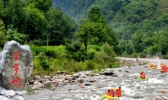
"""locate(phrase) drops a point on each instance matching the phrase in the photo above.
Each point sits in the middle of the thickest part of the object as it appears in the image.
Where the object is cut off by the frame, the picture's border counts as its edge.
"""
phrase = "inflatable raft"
(152, 66)
(141, 79)
(164, 69)
(109, 97)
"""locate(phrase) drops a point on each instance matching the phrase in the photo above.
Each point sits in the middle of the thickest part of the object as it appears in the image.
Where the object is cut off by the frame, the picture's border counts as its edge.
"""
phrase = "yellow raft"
(153, 68)
(109, 97)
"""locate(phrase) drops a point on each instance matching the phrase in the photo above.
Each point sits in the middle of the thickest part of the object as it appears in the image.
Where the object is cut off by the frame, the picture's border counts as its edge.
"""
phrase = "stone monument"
(15, 66)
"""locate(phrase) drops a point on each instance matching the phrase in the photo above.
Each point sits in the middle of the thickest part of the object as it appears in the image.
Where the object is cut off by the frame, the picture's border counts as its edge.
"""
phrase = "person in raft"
(142, 75)
(108, 93)
(118, 92)
(114, 93)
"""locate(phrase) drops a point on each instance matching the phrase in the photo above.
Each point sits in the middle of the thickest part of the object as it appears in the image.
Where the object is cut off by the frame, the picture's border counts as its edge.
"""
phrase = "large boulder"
(15, 65)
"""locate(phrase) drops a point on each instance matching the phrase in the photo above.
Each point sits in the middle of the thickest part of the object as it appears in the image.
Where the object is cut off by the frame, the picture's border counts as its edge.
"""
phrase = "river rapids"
(126, 79)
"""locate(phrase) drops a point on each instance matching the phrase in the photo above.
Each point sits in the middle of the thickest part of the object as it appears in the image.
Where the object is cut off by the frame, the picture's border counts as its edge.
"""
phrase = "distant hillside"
(64, 4)
(77, 9)
(125, 16)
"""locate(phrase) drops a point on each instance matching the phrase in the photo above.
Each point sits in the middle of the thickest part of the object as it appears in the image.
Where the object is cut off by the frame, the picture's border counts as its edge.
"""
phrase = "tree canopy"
(37, 20)
(94, 30)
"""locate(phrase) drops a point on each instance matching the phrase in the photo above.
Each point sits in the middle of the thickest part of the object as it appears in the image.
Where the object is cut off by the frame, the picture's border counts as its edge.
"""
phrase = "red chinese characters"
(16, 80)
(16, 68)
(15, 55)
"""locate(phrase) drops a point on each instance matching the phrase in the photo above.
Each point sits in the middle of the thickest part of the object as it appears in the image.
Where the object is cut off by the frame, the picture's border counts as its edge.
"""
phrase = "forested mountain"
(77, 9)
(132, 27)
(125, 16)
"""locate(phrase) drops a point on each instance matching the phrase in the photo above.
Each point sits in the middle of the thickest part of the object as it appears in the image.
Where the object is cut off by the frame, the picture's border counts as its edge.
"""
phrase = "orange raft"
(164, 68)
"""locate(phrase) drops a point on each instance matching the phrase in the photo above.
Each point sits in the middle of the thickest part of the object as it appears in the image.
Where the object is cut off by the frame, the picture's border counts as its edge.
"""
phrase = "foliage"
(137, 40)
(121, 46)
(94, 15)
(12, 14)
(14, 35)
(42, 5)
(2, 34)
(94, 30)
(38, 20)
(108, 54)
(29, 90)
(15, 14)
(59, 60)
(59, 27)
(1, 7)
(125, 16)
(35, 22)
(75, 51)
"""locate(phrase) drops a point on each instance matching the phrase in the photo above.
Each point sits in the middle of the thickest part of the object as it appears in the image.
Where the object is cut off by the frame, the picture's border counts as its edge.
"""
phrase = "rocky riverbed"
(90, 85)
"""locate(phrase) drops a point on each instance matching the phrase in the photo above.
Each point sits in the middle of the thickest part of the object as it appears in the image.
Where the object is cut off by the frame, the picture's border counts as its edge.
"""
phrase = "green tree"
(14, 35)
(137, 39)
(130, 48)
(84, 33)
(110, 36)
(15, 13)
(162, 42)
(108, 55)
(42, 5)
(102, 31)
(2, 34)
(59, 27)
(94, 30)
(121, 47)
(35, 22)
(4, 16)
(12, 14)
(94, 15)
(76, 51)
(2, 9)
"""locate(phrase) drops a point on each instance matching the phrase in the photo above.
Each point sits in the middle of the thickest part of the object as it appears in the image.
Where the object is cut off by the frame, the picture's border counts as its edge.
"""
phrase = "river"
(131, 89)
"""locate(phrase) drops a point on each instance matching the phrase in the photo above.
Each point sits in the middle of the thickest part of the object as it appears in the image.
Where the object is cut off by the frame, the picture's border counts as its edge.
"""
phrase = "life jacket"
(143, 75)
(140, 76)
(162, 65)
(118, 93)
(108, 93)
(151, 65)
(112, 92)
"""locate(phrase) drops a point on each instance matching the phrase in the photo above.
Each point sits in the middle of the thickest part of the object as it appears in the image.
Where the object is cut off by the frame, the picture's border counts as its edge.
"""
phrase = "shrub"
(90, 65)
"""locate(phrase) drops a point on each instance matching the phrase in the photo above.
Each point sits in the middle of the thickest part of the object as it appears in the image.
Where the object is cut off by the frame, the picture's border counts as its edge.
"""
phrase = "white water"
(131, 89)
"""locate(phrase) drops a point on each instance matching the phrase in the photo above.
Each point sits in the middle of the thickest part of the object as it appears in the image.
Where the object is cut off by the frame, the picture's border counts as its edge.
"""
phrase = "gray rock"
(37, 85)
(10, 94)
(15, 65)
(108, 73)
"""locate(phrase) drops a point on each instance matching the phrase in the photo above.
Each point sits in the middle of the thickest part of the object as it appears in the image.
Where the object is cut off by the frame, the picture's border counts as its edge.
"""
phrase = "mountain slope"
(125, 16)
